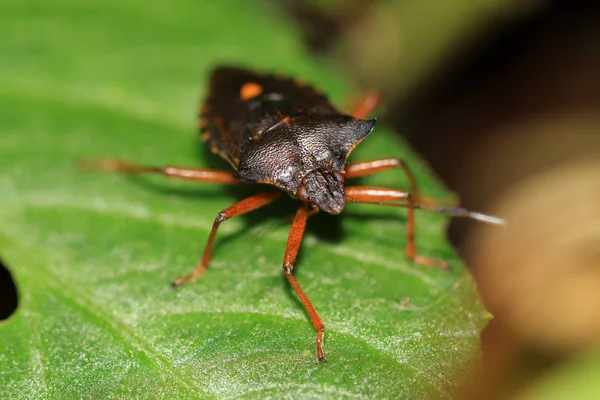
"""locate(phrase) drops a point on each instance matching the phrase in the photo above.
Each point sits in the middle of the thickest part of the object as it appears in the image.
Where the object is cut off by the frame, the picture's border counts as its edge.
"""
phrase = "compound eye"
(303, 193)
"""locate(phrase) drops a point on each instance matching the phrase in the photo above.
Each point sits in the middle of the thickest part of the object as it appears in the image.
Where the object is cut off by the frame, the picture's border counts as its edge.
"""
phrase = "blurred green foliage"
(576, 379)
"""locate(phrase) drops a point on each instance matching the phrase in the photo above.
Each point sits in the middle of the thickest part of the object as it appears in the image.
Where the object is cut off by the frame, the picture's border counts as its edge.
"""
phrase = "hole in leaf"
(8, 293)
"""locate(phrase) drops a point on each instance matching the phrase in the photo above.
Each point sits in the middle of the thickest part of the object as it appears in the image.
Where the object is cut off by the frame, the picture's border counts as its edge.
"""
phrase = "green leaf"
(575, 379)
(93, 254)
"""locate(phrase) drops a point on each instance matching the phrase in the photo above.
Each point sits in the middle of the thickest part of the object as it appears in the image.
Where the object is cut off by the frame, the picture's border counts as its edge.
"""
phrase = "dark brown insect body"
(282, 133)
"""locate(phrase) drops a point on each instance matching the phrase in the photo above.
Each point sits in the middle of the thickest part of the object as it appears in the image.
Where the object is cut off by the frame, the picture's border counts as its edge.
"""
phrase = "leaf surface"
(93, 254)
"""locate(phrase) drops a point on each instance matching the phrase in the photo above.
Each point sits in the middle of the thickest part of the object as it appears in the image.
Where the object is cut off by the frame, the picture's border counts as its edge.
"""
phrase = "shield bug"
(285, 134)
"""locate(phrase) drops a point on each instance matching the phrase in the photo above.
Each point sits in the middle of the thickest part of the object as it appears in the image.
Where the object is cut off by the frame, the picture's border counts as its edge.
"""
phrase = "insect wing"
(239, 100)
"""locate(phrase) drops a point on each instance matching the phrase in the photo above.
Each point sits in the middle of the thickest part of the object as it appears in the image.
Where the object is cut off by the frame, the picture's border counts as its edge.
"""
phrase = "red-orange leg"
(192, 174)
(245, 206)
(368, 103)
(363, 168)
(291, 251)
(379, 196)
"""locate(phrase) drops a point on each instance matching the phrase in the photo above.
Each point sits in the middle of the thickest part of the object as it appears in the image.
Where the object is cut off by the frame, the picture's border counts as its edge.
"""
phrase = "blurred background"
(502, 98)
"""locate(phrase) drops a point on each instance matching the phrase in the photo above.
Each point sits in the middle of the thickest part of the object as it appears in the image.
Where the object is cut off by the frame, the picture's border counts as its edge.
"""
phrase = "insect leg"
(363, 168)
(291, 251)
(192, 174)
(244, 206)
(379, 196)
(368, 103)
